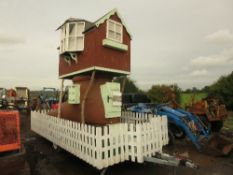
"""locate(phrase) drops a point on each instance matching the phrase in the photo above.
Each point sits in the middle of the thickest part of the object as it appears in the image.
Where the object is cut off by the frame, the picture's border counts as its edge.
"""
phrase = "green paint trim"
(114, 44)
(95, 68)
(107, 90)
(74, 94)
(108, 15)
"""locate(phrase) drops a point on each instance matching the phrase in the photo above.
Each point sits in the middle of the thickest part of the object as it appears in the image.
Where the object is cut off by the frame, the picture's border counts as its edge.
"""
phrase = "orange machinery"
(9, 131)
(210, 108)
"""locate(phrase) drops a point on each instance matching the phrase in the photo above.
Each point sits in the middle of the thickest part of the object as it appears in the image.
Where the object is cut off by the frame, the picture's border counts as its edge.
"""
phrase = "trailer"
(9, 131)
(135, 137)
(91, 124)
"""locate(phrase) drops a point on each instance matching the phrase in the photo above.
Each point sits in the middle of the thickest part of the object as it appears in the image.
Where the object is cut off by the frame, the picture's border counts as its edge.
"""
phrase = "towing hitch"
(166, 159)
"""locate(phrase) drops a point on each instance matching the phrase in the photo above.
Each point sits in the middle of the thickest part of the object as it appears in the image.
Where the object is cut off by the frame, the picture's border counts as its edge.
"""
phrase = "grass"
(228, 124)
(185, 98)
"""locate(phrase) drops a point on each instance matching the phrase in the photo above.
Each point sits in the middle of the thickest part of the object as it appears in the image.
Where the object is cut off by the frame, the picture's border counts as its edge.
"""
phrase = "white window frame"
(65, 37)
(121, 32)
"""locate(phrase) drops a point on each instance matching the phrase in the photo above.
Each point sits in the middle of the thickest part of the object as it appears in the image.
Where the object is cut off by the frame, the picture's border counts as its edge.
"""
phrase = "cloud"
(201, 72)
(223, 58)
(221, 36)
(6, 39)
(208, 61)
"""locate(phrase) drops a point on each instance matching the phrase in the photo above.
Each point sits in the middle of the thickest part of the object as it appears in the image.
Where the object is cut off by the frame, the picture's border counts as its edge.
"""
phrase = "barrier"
(137, 136)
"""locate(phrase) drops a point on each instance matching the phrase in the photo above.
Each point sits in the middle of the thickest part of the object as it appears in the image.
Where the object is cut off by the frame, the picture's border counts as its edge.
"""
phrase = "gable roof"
(90, 25)
(106, 17)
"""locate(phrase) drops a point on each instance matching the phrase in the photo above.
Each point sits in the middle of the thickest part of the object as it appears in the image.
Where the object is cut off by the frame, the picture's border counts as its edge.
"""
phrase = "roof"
(106, 17)
(87, 23)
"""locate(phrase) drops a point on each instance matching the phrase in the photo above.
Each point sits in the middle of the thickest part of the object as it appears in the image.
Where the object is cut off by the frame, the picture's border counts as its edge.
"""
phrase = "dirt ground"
(41, 159)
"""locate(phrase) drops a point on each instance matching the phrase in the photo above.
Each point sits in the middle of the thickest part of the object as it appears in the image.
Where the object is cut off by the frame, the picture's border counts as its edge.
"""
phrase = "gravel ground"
(41, 159)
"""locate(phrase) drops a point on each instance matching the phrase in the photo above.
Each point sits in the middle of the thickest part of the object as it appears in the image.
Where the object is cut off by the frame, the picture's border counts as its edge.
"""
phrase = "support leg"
(60, 99)
(103, 171)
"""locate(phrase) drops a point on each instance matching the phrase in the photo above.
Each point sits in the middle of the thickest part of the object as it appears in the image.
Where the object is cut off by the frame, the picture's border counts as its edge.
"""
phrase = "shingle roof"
(87, 23)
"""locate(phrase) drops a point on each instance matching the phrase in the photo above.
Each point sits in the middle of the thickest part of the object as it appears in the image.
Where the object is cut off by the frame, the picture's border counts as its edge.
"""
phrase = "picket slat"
(136, 136)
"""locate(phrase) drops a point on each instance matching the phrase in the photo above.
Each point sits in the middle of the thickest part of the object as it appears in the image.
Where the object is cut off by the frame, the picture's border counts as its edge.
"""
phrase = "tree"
(188, 90)
(130, 85)
(205, 89)
(223, 89)
(164, 93)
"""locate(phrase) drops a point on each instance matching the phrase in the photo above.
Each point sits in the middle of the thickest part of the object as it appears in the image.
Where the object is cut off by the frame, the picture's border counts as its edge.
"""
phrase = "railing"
(137, 136)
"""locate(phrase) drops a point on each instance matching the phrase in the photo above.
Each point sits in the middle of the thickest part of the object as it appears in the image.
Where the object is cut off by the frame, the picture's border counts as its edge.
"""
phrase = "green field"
(185, 98)
(228, 123)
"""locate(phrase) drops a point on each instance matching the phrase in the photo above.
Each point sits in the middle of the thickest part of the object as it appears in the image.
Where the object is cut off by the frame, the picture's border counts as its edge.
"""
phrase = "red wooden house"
(88, 125)
(91, 55)
(103, 45)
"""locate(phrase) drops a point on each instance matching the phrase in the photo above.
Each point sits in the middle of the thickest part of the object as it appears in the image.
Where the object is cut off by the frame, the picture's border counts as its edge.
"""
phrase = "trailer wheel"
(176, 131)
(171, 137)
(179, 134)
(216, 126)
(56, 147)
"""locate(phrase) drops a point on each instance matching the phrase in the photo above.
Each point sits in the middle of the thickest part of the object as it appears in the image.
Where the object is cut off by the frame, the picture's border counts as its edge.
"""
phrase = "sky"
(187, 42)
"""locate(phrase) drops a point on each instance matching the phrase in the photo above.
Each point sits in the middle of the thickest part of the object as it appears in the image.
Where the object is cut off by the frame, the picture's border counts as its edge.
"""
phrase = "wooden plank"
(143, 134)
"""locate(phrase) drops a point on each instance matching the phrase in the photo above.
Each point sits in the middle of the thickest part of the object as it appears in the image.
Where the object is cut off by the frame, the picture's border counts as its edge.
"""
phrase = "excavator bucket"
(219, 145)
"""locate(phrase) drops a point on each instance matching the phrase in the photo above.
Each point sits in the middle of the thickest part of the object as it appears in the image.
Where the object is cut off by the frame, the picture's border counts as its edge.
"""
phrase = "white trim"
(95, 68)
(108, 15)
(66, 37)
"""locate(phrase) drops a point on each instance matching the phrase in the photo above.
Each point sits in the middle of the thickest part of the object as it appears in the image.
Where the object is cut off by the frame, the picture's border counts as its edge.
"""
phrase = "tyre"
(171, 137)
(216, 126)
(177, 131)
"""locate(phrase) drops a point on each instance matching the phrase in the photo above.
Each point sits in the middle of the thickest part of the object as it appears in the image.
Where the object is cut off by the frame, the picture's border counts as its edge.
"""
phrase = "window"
(114, 31)
(72, 38)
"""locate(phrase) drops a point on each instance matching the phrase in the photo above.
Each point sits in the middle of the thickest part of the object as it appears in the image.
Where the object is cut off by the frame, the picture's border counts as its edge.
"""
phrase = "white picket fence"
(136, 136)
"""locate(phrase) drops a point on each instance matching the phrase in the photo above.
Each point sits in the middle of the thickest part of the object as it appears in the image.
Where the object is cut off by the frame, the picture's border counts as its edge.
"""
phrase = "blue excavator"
(185, 124)
(180, 122)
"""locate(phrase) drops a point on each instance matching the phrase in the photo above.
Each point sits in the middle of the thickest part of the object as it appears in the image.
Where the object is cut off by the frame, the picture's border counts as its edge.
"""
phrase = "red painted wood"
(95, 54)
(9, 131)
(94, 107)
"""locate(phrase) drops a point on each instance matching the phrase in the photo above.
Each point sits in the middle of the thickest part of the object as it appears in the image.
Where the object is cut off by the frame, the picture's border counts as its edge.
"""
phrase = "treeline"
(221, 89)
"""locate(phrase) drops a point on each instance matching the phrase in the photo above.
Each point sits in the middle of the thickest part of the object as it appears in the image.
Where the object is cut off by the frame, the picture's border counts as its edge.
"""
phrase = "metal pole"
(103, 171)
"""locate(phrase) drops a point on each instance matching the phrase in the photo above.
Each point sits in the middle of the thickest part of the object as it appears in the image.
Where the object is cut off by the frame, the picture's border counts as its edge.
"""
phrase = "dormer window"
(114, 31)
(72, 38)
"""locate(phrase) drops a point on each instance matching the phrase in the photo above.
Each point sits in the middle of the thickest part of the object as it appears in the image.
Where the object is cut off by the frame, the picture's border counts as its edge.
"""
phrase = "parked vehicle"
(211, 110)
(182, 124)
(47, 98)
(22, 99)
(7, 98)
(3, 100)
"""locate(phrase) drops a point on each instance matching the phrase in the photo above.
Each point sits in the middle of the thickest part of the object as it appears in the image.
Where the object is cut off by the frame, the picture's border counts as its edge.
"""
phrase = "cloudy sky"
(188, 42)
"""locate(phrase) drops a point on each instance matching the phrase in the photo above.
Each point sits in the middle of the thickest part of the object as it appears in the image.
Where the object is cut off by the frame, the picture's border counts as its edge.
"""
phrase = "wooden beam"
(60, 99)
